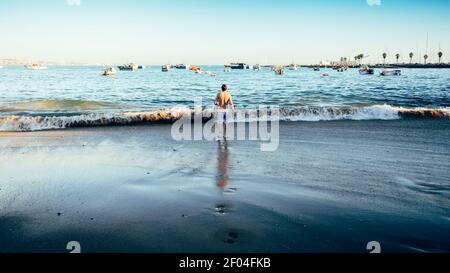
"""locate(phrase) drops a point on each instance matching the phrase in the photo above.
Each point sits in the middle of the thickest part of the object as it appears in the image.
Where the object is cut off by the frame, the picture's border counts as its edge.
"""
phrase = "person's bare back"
(223, 98)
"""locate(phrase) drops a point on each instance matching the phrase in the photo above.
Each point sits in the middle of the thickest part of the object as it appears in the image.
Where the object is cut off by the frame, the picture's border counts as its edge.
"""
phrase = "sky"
(222, 31)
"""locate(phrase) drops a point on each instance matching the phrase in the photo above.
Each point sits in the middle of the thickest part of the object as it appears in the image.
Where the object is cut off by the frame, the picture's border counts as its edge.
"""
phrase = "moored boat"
(396, 72)
(128, 67)
(238, 66)
(195, 68)
(279, 70)
(293, 67)
(166, 68)
(181, 66)
(35, 67)
(110, 71)
(366, 70)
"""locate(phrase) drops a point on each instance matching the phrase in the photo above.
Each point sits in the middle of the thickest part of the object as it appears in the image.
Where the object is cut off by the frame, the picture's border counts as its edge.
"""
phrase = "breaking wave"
(308, 113)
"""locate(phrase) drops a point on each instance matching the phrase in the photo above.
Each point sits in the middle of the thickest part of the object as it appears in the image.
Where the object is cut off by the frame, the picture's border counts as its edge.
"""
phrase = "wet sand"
(330, 187)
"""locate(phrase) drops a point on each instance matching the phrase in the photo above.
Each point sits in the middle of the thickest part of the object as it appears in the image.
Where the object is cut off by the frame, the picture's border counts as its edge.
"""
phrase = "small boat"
(1, 66)
(293, 67)
(194, 68)
(128, 67)
(366, 70)
(141, 67)
(386, 72)
(238, 66)
(279, 70)
(256, 67)
(166, 68)
(181, 66)
(316, 68)
(110, 71)
(35, 67)
(325, 75)
(227, 68)
(340, 69)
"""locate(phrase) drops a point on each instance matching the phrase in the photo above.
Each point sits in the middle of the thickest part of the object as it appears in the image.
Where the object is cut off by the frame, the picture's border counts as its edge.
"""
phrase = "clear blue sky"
(220, 31)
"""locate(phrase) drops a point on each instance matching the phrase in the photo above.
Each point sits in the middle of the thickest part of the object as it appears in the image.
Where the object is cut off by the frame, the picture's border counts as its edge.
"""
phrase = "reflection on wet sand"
(223, 175)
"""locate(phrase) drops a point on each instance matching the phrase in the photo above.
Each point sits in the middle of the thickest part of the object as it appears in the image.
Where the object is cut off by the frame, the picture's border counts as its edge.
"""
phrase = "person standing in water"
(223, 100)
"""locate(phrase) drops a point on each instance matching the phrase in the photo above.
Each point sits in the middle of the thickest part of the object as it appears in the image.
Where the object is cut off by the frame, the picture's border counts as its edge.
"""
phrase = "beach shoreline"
(331, 186)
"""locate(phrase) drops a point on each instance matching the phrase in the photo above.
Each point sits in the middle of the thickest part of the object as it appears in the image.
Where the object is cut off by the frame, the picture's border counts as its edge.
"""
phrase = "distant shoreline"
(402, 65)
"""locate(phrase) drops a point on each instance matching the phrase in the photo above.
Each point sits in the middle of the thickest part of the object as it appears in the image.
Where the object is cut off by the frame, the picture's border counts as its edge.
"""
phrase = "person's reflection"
(223, 177)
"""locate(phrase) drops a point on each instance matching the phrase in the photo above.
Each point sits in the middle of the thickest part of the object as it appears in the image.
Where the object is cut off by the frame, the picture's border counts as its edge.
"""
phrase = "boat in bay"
(366, 70)
(110, 71)
(35, 67)
(128, 67)
(386, 72)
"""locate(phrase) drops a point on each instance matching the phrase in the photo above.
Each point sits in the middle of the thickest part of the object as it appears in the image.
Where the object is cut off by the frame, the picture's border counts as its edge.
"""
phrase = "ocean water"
(62, 97)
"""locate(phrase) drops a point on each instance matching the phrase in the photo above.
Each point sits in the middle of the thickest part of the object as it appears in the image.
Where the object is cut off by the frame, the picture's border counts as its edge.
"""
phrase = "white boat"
(366, 70)
(181, 66)
(128, 67)
(238, 66)
(1, 66)
(256, 67)
(293, 67)
(35, 67)
(386, 72)
(110, 71)
(279, 70)
(166, 68)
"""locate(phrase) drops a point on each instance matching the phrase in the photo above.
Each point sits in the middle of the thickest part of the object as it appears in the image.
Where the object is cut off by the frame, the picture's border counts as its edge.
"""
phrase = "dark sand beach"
(330, 187)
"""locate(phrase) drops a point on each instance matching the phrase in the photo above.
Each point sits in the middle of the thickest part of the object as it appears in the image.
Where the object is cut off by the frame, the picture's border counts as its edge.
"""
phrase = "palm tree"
(425, 57)
(397, 56)
(384, 57)
(440, 56)
(411, 55)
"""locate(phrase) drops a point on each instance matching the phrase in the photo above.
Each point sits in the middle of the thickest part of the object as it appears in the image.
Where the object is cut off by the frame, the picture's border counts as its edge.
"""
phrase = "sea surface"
(63, 97)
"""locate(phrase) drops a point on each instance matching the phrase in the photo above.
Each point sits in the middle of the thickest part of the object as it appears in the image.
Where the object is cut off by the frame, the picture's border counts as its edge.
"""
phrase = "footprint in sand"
(222, 209)
(232, 236)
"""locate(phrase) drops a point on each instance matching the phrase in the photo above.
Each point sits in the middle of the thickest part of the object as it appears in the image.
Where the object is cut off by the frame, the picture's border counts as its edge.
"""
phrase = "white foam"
(376, 112)
(307, 113)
